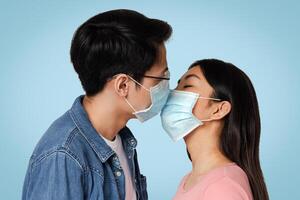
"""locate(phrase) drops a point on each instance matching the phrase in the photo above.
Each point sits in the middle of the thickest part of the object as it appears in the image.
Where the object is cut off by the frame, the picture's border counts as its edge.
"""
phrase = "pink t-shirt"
(228, 182)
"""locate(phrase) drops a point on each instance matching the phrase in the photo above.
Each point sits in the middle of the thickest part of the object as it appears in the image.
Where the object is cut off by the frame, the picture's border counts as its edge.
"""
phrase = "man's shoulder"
(64, 136)
(57, 138)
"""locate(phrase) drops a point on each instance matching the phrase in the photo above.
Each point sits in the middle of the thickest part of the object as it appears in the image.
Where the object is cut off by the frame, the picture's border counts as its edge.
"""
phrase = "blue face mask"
(177, 116)
(159, 95)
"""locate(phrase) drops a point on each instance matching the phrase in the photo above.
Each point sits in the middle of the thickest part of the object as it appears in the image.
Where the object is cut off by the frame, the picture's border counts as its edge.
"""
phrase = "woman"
(214, 108)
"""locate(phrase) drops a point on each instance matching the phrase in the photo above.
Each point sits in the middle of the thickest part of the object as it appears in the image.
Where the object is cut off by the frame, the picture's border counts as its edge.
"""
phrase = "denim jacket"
(71, 161)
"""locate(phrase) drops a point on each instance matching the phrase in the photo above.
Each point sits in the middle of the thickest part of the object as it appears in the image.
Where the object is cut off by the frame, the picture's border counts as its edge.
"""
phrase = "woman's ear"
(221, 110)
(121, 84)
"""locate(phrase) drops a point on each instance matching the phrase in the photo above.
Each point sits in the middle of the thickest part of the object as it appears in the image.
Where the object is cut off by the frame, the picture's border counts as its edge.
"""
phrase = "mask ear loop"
(208, 98)
(127, 99)
(130, 105)
(138, 83)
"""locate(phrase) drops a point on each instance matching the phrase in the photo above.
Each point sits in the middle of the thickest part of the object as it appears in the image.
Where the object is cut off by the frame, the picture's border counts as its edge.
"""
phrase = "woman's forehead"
(194, 70)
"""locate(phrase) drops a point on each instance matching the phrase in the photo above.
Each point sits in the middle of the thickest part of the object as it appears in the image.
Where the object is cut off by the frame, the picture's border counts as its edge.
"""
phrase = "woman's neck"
(203, 147)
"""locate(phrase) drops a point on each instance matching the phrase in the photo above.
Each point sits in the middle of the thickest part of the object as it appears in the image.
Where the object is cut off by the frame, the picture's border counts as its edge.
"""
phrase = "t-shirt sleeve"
(225, 189)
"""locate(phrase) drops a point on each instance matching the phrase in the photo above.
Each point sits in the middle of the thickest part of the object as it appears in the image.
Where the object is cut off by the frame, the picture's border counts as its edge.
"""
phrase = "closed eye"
(187, 86)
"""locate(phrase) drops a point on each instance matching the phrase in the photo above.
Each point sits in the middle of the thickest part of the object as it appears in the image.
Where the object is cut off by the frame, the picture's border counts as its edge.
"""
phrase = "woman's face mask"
(183, 112)
(177, 116)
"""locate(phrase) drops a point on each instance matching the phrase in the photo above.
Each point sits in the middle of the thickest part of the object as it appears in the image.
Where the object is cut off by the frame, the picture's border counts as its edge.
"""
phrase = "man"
(89, 153)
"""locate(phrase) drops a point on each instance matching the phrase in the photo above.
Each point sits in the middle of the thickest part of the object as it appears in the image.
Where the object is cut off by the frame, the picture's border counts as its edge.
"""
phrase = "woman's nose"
(178, 83)
(177, 87)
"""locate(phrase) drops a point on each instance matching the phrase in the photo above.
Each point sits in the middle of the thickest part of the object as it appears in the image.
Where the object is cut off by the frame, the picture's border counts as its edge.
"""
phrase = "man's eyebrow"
(166, 69)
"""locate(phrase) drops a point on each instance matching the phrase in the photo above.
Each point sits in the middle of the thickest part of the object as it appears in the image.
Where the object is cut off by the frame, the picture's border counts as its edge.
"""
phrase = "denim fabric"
(71, 161)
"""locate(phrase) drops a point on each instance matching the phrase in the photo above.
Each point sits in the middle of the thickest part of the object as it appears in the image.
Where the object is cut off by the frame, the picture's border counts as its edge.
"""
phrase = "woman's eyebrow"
(192, 75)
(189, 76)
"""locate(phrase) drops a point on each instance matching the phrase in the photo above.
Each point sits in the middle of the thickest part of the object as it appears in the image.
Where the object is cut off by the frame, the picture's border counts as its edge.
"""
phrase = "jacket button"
(132, 142)
(118, 173)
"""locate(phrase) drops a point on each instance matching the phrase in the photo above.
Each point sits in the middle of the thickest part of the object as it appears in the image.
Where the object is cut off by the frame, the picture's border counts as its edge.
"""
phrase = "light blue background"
(38, 84)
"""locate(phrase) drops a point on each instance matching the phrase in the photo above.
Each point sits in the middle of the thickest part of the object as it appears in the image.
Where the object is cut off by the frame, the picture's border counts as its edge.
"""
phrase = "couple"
(120, 59)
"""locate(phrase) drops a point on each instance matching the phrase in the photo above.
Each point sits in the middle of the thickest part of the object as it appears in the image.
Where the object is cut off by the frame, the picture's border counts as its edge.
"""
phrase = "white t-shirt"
(117, 147)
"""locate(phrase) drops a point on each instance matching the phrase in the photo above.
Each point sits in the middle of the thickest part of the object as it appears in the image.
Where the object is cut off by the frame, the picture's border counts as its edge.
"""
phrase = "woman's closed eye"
(187, 86)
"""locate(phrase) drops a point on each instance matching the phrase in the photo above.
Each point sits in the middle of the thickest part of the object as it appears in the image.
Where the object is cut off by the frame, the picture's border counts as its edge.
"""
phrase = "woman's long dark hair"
(241, 134)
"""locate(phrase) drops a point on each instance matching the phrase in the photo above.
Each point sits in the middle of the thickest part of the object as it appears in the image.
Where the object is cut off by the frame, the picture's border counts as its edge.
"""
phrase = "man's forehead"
(160, 64)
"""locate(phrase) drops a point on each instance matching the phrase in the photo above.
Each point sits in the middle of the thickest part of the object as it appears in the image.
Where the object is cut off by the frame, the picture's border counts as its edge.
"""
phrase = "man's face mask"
(177, 116)
(159, 95)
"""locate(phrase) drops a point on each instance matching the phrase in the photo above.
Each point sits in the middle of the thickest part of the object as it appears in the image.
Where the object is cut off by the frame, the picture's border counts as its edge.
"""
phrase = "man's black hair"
(113, 42)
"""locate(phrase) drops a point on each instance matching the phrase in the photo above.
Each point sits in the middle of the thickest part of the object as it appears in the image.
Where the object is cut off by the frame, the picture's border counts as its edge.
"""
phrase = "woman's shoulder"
(228, 182)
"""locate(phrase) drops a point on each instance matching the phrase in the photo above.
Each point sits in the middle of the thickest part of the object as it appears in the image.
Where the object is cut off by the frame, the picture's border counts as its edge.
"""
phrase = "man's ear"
(121, 84)
(221, 110)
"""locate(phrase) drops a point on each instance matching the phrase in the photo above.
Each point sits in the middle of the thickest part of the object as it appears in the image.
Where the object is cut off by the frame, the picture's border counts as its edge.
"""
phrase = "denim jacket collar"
(103, 151)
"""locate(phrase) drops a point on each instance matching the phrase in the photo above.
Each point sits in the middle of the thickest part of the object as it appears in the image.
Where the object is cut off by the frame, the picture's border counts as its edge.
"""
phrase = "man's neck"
(105, 118)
